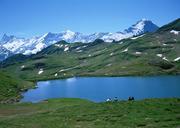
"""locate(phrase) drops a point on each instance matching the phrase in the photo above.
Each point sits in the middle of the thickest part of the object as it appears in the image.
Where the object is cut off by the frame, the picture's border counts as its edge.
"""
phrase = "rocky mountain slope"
(4, 53)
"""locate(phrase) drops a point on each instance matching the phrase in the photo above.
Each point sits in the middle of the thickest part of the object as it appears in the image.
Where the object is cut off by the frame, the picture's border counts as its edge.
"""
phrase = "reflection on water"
(71, 79)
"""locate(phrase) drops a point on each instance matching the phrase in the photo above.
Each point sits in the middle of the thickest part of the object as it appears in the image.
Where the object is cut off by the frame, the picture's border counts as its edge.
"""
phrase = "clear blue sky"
(27, 18)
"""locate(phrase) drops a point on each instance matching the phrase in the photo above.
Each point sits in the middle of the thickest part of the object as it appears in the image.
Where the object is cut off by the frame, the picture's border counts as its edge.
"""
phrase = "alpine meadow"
(95, 77)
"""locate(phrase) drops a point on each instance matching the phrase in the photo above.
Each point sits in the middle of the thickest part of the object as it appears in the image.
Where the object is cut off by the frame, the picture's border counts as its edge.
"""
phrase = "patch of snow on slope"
(164, 58)
(159, 55)
(177, 59)
(22, 66)
(62, 70)
(125, 50)
(121, 42)
(66, 49)
(138, 53)
(78, 48)
(133, 38)
(109, 65)
(80, 51)
(174, 32)
(40, 71)
(112, 54)
(58, 45)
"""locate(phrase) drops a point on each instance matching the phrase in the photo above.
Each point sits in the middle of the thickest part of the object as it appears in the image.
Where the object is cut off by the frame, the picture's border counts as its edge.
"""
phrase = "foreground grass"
(76, 113)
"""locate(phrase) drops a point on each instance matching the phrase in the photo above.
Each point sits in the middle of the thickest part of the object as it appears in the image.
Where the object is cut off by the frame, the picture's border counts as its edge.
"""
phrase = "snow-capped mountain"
(4, 53)
(35, 44)
(141, 27)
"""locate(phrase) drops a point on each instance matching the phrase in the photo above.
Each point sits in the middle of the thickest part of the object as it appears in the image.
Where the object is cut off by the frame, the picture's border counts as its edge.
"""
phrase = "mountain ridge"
(35, 44)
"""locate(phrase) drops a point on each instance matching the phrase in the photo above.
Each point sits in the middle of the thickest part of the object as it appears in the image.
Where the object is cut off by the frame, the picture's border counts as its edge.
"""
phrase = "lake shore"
(19, 96)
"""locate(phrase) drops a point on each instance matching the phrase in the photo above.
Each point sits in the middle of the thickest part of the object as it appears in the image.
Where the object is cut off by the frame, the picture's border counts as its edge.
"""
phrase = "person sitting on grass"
(115, 99)
(131, 98)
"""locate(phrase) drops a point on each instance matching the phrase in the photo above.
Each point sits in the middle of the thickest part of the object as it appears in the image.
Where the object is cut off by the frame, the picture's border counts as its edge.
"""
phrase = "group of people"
(131, 98)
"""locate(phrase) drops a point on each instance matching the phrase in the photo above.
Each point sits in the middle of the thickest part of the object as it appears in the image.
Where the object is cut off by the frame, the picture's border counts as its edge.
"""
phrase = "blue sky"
(27, 18)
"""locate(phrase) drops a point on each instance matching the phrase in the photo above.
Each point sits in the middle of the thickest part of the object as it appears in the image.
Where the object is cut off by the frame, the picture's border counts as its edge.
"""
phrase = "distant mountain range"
(10, 45)
(148, 54)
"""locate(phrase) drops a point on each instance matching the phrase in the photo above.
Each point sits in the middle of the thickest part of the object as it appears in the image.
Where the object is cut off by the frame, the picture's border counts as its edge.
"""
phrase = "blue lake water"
(100, 88)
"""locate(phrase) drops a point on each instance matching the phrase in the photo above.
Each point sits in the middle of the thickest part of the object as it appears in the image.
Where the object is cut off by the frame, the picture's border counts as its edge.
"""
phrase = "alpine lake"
(98, 89)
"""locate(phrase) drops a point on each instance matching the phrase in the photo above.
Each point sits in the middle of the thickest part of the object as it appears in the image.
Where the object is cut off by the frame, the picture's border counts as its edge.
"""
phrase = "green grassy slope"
(75, 113)
(103, 59)
(175, 25)
(7, 84)
(10, 88)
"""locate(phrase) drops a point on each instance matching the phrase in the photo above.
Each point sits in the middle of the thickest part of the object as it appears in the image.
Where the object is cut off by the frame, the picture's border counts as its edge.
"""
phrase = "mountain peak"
(5, 38)
(142, 26)
(68, 34)
(48, 34)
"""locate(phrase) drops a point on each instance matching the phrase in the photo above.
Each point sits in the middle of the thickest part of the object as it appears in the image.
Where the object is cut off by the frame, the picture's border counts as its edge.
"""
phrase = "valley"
(155, 53)
(89, 64)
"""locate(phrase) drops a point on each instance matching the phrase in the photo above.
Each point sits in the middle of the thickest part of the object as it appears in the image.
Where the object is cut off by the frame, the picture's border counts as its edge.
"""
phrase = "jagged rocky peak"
(6, 38)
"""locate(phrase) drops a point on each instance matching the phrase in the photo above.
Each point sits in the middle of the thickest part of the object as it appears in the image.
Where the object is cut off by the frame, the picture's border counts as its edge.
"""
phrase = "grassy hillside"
(10, 88)
(75, 113)
(175, 25)
(151, 54)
